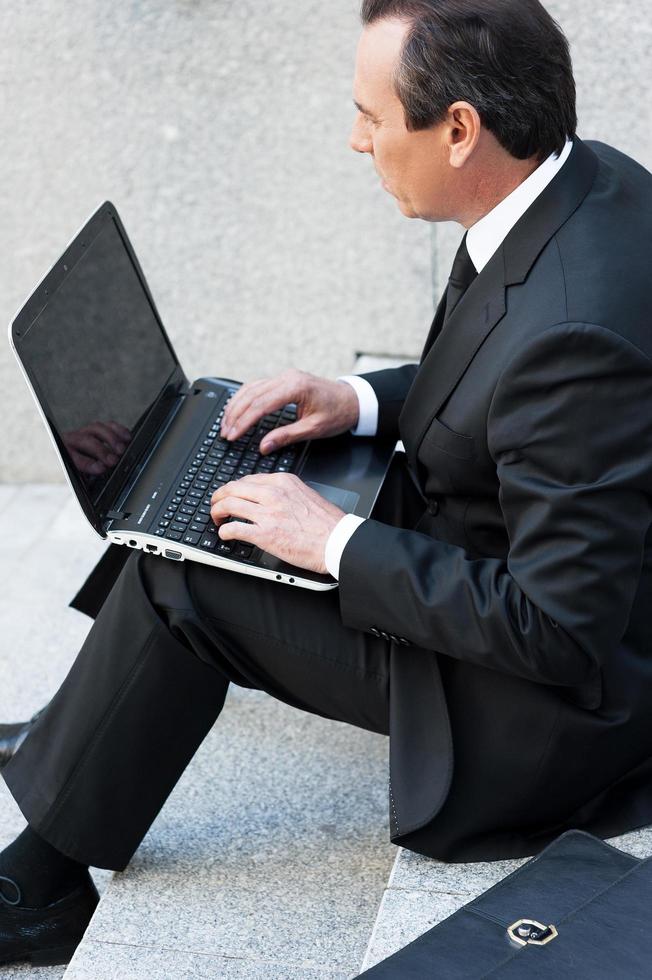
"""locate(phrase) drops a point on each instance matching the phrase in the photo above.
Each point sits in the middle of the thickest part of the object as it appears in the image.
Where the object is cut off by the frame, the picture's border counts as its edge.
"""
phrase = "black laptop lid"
(97, 357)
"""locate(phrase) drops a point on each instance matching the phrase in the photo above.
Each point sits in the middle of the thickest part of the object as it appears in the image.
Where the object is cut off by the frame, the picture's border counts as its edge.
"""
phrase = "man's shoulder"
(603, 249)
(621, 162)
(616, 214)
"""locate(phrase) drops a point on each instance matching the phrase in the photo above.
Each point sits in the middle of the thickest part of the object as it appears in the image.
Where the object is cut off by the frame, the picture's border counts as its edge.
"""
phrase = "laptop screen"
(98, 359)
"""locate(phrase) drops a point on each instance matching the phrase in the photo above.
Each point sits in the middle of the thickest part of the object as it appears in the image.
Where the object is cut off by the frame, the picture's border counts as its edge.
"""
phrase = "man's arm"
(390, 387)
(367, 423)
(284, 516)
(570, 430)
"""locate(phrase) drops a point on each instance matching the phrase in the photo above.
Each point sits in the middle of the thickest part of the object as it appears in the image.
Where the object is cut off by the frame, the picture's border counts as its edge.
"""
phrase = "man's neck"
(494, 180)
(508, 205)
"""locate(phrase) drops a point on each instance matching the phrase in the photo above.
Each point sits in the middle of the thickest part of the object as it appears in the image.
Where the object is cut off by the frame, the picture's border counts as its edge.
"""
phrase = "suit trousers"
(152, 677)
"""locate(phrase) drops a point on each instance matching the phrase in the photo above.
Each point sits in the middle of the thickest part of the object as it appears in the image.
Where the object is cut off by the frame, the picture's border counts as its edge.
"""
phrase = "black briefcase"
(581, 909)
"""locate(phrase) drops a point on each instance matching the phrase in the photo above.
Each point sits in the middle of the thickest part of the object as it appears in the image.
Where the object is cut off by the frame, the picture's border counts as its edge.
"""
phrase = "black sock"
(42, 873)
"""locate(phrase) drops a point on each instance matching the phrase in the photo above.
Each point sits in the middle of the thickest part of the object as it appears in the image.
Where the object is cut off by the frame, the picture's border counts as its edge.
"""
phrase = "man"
(492, 617)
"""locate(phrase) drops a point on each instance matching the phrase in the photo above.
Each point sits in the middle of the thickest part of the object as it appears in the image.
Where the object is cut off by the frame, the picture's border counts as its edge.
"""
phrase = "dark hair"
(507, 58)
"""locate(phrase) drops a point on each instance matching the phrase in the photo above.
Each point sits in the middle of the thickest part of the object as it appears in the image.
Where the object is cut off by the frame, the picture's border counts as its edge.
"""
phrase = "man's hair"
(508, 58)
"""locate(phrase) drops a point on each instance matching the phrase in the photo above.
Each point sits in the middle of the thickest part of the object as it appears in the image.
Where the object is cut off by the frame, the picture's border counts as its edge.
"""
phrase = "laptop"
(139, 443)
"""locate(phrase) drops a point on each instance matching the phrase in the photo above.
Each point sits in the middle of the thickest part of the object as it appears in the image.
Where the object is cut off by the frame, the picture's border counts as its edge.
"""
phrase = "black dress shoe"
(47, 936)
(12, 737)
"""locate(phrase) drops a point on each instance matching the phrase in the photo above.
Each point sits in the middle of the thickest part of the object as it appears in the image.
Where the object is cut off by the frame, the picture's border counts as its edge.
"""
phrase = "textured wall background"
(220, 129)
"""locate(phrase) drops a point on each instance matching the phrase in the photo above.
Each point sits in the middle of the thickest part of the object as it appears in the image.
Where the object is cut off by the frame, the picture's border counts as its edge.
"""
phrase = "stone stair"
(268, 860)
(47, 550)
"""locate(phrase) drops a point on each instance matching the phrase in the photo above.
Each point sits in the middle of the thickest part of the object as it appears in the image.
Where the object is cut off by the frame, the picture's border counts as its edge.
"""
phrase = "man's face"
(413, 166)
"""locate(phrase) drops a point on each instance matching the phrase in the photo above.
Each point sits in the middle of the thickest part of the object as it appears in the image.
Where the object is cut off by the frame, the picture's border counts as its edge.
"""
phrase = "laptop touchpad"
(346, 500)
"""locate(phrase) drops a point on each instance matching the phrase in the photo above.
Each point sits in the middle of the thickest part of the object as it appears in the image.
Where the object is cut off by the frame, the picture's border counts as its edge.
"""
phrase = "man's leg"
(399, 503)
(105, 738)
(103, 757)
(104, 749)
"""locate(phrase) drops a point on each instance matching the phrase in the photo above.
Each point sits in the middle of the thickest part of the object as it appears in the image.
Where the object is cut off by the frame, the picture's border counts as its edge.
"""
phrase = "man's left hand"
(288, 518)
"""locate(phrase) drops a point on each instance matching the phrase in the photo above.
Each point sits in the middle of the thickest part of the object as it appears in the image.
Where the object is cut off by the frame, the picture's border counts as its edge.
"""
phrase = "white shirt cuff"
(338, 540)
(368, 417)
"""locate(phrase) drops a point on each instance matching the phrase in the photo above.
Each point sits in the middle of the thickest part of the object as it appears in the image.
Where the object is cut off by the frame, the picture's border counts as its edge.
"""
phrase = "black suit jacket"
(521, 605)
(523, 705)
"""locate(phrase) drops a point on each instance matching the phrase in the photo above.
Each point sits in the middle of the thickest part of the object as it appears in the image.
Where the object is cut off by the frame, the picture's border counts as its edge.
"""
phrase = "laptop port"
(151, 547)
(133, 544)
(176, 555)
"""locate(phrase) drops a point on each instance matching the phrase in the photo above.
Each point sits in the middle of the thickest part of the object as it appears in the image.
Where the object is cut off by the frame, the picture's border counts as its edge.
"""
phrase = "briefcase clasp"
(529, 932)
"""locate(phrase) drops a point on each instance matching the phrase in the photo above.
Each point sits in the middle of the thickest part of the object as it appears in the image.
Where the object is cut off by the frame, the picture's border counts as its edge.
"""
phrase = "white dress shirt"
(482, 240)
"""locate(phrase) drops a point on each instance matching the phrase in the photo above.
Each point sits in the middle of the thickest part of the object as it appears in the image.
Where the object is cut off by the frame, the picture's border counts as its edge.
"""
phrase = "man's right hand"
(324, 408)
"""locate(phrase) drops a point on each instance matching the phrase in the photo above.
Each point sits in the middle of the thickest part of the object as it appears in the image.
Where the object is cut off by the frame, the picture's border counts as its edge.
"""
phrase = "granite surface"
(273, 846)
(414, 872)
(101, 961)
(47, 550)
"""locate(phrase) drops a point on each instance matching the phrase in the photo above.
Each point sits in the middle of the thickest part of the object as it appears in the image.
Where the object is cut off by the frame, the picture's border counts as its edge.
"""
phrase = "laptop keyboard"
(186, 517)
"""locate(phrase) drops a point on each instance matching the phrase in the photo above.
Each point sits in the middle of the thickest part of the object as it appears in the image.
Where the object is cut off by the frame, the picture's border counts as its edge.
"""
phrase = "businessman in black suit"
(492, 616)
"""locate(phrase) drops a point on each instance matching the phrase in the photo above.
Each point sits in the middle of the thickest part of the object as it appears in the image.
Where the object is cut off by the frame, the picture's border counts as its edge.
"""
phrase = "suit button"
(433, 507)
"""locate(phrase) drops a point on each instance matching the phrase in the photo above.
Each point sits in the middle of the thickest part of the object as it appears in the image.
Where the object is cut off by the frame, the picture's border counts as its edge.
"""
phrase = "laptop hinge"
(116, 515)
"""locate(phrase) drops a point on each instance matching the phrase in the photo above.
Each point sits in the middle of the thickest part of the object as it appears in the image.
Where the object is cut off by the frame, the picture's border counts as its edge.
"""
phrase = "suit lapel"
(435, 326)
(549, 212)
(450, 349)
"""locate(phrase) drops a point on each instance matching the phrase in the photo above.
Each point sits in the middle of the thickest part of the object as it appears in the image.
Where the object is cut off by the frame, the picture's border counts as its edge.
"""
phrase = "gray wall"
(220, 130)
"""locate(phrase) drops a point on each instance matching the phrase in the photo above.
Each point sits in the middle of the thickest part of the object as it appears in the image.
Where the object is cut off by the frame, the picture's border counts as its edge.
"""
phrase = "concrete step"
(269, 858)
(47, 550)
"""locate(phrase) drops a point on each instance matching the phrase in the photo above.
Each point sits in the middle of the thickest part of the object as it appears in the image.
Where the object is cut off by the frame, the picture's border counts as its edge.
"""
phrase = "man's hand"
(324, 408)
(288, 518)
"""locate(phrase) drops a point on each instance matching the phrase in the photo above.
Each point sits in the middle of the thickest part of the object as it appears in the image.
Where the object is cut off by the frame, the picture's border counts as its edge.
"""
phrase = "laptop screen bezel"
(175, 385)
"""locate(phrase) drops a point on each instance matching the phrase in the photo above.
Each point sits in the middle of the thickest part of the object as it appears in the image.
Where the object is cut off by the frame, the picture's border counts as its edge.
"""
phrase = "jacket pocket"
(454, 443)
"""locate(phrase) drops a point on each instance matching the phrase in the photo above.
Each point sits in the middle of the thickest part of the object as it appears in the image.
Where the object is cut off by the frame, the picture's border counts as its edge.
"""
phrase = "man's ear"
(463, 127)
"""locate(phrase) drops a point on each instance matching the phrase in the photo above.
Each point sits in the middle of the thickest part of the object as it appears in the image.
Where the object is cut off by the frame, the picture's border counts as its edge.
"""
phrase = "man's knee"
(164, 581)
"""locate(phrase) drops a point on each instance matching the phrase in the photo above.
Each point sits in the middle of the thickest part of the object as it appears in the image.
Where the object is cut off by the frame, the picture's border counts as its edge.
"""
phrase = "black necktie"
(462, 275)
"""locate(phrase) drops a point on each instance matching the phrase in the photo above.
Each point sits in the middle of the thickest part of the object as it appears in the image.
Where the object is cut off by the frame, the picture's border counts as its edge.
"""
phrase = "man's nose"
(359, 139)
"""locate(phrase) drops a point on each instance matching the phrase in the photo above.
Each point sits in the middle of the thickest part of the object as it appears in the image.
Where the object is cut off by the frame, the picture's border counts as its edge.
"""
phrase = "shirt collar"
(484, 237)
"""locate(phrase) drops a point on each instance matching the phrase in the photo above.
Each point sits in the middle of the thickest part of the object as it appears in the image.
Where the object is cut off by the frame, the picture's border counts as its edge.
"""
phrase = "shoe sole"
(57, 956)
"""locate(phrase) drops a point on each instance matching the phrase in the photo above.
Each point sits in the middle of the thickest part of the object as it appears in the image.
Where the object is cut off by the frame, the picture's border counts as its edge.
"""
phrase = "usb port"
(151, 547)
(173, 554)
